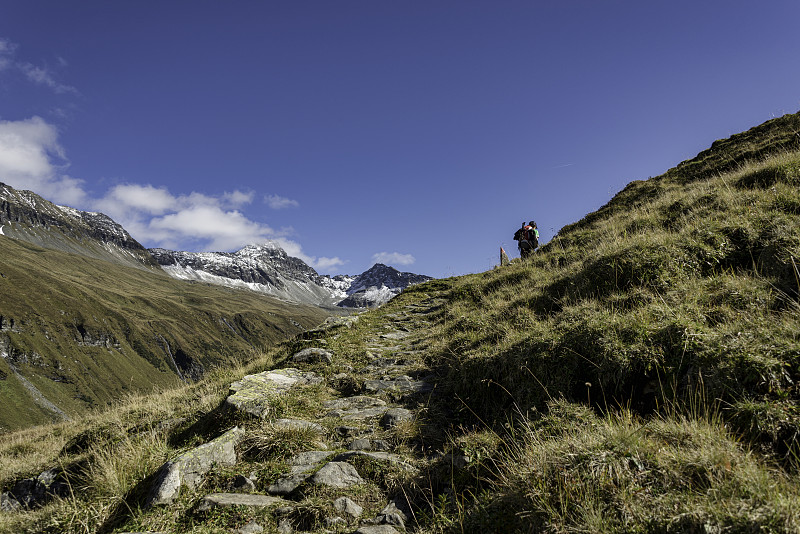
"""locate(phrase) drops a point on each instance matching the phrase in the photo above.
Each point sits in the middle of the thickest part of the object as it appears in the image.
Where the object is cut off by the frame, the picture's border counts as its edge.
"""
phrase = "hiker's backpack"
(531, 235)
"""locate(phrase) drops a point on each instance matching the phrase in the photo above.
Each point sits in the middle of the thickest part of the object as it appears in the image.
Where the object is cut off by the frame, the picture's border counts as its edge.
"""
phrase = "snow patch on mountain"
(266, 268)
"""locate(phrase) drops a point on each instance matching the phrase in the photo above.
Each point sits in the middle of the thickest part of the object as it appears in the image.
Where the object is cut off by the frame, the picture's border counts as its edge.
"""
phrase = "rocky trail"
(346, 434)
(356, 425)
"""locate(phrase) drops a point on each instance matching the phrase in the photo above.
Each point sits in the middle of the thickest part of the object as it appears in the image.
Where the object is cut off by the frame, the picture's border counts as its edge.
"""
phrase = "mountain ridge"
(87, 312)
(268, 269)
(264, 268)
(27, 216)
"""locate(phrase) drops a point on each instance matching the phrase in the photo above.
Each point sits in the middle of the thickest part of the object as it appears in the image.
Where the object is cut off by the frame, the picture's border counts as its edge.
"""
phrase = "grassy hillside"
(638, 374)
(77, 332)
(676, 288)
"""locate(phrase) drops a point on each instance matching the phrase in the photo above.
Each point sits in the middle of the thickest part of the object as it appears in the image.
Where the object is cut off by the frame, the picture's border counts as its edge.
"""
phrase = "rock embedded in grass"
(313, 355)
(337, 475)
(228, 500)
(348, 507)
(189, 469)
(254, 394)
(395, 416)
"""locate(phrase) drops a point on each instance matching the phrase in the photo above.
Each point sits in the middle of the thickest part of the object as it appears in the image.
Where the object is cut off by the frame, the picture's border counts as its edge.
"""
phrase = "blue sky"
(415, 133)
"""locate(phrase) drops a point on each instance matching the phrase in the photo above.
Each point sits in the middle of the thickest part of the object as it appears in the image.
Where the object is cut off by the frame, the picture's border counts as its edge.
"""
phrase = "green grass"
(698, 287)
(86, 331)
(572, 470)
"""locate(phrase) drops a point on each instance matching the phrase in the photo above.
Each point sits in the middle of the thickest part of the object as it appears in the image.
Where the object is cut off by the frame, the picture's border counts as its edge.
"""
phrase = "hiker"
(528, 237)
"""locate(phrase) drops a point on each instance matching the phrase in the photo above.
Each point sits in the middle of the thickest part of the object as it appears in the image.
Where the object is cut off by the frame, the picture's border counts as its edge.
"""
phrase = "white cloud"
(326, 264)
(28, 149)
(31, 158)
(211, 227)
(42, 76)
(7, 50)
(238, 198)
(201, 221)
(277, 202)
(323, 264)
(393, 258)
(126, 198)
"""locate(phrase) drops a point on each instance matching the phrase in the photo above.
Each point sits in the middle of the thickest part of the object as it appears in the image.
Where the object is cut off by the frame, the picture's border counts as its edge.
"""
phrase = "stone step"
(227, 500)
(254, 394)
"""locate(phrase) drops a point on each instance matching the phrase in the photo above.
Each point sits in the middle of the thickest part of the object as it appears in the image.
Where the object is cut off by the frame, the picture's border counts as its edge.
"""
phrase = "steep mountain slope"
(683, 285)
(77, 332)
(26, 216)
(86, 313)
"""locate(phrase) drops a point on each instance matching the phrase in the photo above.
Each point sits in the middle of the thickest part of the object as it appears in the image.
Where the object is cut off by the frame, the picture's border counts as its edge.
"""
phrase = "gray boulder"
(401, 384)
(308, 460)
(190, 468)
(227, 500)
(312, 355)
(384, 457)
(34, 492)
(347, 507)
(355, 408)
(392, 515)
(337, 475)
(287, 484)
(395, 416)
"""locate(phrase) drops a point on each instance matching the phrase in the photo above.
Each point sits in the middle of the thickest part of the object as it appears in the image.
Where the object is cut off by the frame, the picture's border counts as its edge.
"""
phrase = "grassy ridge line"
(694, 288)
(83, 331)
(772, 138)
(674, 311)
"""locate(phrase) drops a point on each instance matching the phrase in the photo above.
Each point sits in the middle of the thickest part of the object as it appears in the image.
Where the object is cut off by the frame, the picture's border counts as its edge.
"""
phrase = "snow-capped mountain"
(268, 269)
(377, 285)
(263, 268)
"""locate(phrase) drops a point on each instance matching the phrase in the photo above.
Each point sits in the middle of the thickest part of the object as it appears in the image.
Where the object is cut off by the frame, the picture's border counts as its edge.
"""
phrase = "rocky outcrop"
(378, 285)
(228, 500)
(265, 268)
(312, 355)
(34, 492)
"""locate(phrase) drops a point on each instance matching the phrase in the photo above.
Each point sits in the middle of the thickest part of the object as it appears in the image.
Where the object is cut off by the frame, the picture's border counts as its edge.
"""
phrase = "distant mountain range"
(264, 268)
(88, 314)
(267, 268)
